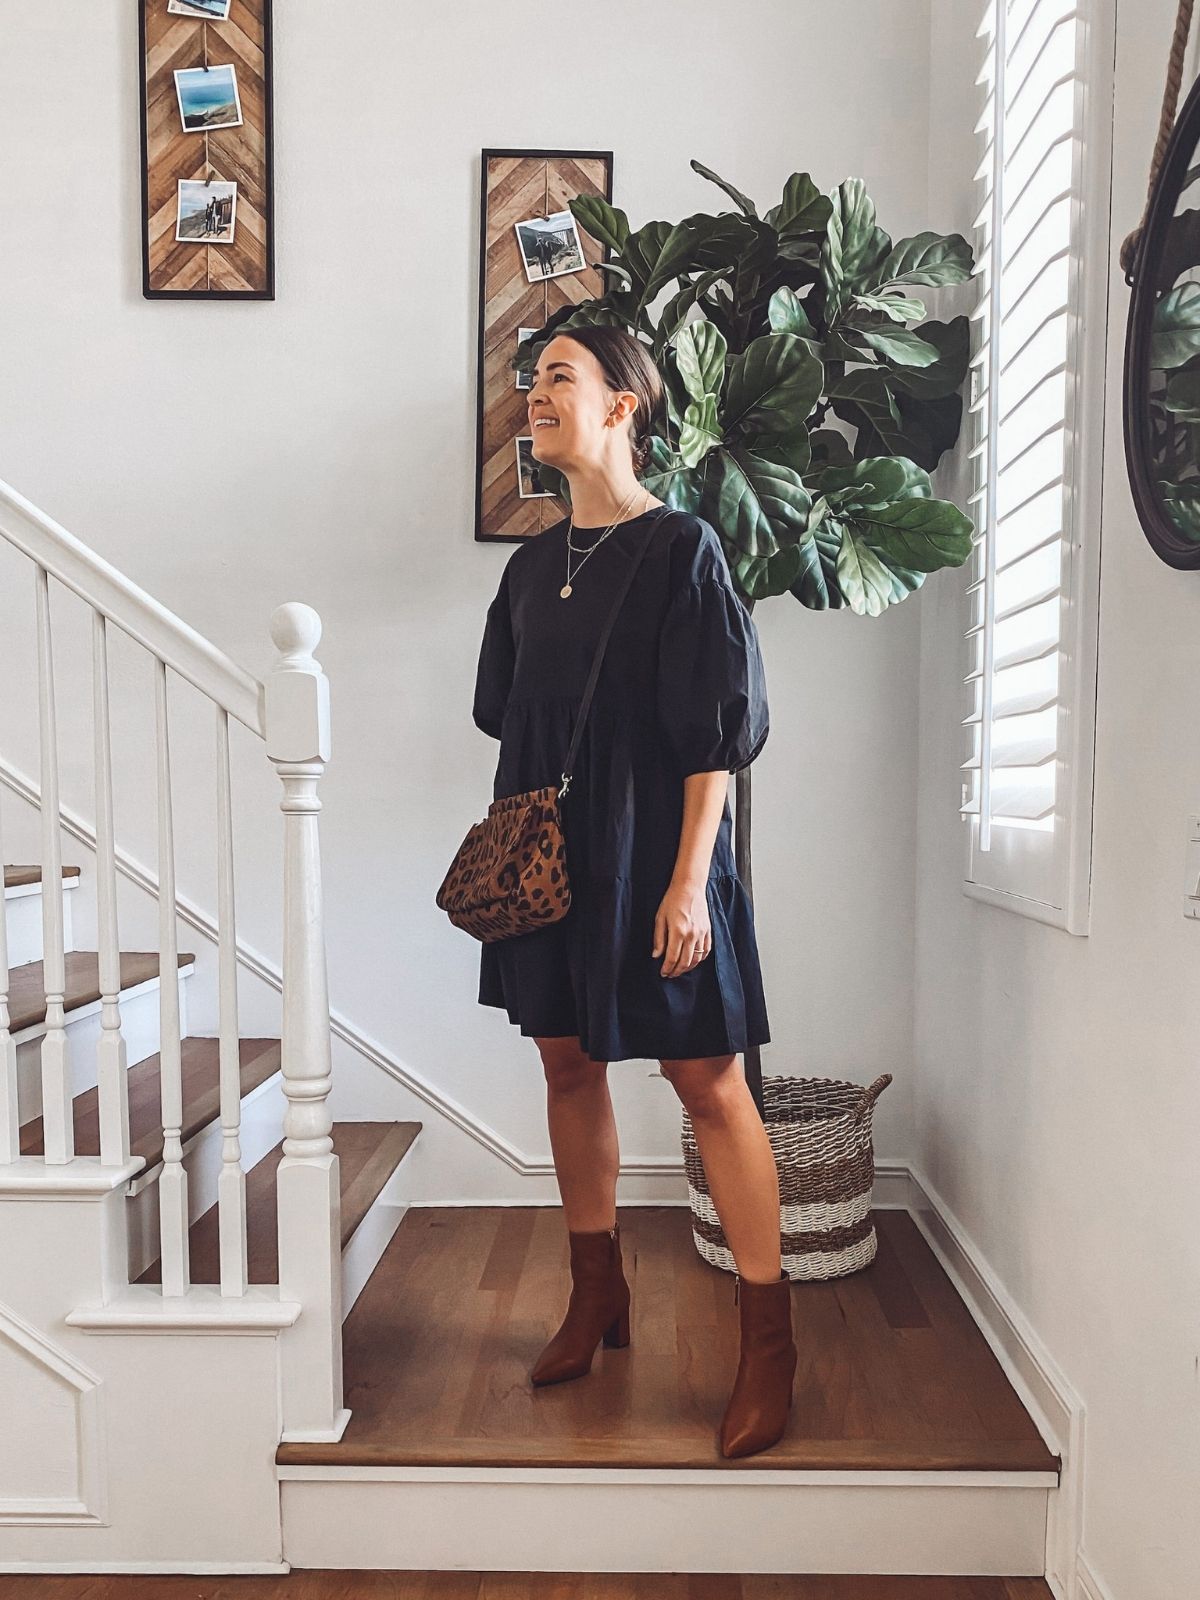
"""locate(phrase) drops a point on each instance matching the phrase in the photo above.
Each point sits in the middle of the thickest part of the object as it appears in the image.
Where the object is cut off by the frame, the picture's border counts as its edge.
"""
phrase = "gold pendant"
(565, 590)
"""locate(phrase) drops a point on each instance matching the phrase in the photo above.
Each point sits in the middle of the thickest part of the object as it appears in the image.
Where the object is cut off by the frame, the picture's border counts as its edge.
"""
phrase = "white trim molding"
(89, 1504)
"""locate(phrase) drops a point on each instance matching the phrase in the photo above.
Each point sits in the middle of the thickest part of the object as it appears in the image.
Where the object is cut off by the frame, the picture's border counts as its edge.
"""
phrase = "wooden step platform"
(363, 1585)
(27, 984)
(368, 1153)
(893, 1373)
(201, 1098)
(21, 877)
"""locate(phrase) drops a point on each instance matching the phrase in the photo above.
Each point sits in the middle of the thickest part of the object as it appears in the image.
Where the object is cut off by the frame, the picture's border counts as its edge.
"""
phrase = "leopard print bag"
(509, 875)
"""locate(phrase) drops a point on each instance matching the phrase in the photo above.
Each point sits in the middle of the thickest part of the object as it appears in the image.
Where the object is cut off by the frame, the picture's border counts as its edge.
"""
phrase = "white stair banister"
(58, 1122)
(297, 716)
(173, 1180)
(231, 1185)
(10, 1130)
(111, 1055)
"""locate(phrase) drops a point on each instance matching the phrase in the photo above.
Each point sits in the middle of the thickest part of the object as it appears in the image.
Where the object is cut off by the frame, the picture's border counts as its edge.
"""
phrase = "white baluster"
(172, 1180)
(58, 1124)
(111, 1057)
(231, 1185)
(297, 712)
(10, 1121)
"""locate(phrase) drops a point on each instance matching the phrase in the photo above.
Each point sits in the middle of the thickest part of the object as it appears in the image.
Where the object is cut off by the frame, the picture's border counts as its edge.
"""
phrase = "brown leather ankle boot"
(598, 1308)
(757, 1413)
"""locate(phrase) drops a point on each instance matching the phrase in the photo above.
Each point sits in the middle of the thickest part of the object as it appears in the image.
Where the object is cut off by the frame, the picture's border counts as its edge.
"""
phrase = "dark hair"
(627, 364)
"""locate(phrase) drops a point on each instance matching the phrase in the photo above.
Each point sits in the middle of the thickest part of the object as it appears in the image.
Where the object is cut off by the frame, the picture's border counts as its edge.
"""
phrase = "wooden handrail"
(131, 609)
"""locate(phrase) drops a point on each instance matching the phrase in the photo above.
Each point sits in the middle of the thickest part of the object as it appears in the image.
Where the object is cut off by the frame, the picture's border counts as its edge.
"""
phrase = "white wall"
(341, 422)
(1058, 1098)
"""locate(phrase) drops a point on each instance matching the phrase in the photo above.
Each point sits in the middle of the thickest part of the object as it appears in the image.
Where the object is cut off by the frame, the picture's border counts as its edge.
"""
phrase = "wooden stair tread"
(27, 984)
(201, 1098)
(19, 877)
(368, 1153)
(893, 1373)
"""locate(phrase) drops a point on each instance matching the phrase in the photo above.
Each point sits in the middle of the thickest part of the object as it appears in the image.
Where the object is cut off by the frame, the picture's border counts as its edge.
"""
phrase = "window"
(1037, 384)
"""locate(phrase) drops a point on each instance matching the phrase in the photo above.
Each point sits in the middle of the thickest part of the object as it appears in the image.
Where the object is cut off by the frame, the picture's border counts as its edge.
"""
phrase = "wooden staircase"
(369, 1153)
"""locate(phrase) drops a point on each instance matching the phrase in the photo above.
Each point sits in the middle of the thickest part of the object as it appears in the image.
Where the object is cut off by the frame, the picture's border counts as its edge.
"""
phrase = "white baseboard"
(1090, 1586)
(152, 1568)
(1056, 1408)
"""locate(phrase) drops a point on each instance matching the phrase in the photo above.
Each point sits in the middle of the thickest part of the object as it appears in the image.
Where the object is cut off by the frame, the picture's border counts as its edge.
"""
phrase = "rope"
(1166, 123)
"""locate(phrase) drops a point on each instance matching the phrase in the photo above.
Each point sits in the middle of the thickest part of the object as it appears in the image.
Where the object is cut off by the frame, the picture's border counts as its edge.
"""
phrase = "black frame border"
(268, 103)
(1163, 536)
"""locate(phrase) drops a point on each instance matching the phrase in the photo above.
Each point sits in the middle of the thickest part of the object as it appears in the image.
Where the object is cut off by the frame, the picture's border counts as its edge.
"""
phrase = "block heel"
(616, 1337)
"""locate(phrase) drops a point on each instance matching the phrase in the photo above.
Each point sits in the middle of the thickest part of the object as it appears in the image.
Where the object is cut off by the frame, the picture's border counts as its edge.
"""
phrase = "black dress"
(681, 689)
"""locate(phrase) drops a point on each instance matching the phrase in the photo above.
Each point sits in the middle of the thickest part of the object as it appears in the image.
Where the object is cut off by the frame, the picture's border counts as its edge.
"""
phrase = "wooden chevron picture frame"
(533, 259)
(208, 227)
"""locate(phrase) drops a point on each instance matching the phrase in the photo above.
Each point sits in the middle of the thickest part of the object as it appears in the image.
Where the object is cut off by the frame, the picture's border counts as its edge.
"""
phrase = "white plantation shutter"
(1026, 792)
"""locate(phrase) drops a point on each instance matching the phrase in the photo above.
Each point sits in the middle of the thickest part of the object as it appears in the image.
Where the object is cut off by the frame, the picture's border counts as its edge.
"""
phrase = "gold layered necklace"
(565, 591)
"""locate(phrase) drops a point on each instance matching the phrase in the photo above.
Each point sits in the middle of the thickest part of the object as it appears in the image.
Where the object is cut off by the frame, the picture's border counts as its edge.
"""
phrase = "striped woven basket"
(820, 1132)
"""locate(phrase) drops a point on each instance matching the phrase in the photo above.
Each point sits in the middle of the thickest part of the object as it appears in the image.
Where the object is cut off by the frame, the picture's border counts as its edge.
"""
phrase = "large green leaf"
(786, 314)
(863, 396)
(743, 201)
(700, 357)
(773, 385)
(699, 431)
(854, 245)
(1175, 328)
(1183, 393)
(929, 259)
(861, 574)
(790, 450)
(1182, 502)
(656, 254)
(762, 503)
(803, 209)
(674, 314)
(896, 306)
(829, 448)
(669, 480)
(921, 534)
(952, 340)
(899, 345)
(877, 480)
(605, 222)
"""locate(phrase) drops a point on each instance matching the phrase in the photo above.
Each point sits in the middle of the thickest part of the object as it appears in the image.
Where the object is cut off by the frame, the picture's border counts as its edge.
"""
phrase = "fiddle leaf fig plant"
(808, 396)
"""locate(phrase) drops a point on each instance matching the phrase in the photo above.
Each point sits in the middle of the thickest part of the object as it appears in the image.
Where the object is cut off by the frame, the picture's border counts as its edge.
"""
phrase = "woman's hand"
(682, 927)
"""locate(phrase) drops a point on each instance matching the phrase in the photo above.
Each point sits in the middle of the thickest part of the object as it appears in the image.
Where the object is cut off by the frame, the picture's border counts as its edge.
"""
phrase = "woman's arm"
(681, 924)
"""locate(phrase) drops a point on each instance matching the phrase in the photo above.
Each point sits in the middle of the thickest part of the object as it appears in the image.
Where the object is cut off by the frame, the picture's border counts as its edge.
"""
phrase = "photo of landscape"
(208, 98)
(214, 10)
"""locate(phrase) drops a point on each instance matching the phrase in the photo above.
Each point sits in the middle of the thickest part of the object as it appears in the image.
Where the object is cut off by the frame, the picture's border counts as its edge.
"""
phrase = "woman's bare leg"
(583, 1134)
(739, 1163)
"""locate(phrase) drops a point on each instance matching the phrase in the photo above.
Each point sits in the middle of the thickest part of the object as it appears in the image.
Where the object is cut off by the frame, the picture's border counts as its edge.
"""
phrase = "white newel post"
(310, 1257)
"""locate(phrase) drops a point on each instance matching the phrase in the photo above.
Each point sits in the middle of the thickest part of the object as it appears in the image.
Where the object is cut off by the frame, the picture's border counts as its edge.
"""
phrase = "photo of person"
(214, 10)
(549, 246)
(208, 98)
(523, 379)
(205, 213)
(529, 485)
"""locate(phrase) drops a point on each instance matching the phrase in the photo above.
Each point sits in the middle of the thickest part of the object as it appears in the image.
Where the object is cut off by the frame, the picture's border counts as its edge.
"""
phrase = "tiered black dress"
(681, 689)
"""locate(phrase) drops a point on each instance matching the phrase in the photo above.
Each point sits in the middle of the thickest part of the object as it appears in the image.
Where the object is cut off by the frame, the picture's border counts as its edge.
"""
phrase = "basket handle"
(870, 1095)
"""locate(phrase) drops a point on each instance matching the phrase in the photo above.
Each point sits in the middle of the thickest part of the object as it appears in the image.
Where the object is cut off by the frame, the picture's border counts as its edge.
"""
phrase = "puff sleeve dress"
(681, 689)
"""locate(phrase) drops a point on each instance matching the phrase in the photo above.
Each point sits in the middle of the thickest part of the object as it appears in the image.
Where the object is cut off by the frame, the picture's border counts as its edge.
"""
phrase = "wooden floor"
(523, 1586)
(893, 1372)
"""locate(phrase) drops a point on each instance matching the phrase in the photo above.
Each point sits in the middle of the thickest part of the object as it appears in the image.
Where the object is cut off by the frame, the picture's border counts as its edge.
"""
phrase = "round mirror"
(1162, 353)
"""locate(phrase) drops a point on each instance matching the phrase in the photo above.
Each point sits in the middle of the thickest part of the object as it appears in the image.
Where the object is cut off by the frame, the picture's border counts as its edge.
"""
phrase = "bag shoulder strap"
(586, 702)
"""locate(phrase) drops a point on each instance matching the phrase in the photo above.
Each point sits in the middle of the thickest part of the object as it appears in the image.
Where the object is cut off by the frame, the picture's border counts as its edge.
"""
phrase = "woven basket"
(820, 1133)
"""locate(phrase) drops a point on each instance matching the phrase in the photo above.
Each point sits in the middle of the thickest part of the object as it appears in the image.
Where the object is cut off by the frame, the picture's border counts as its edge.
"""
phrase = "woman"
(656, 957)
